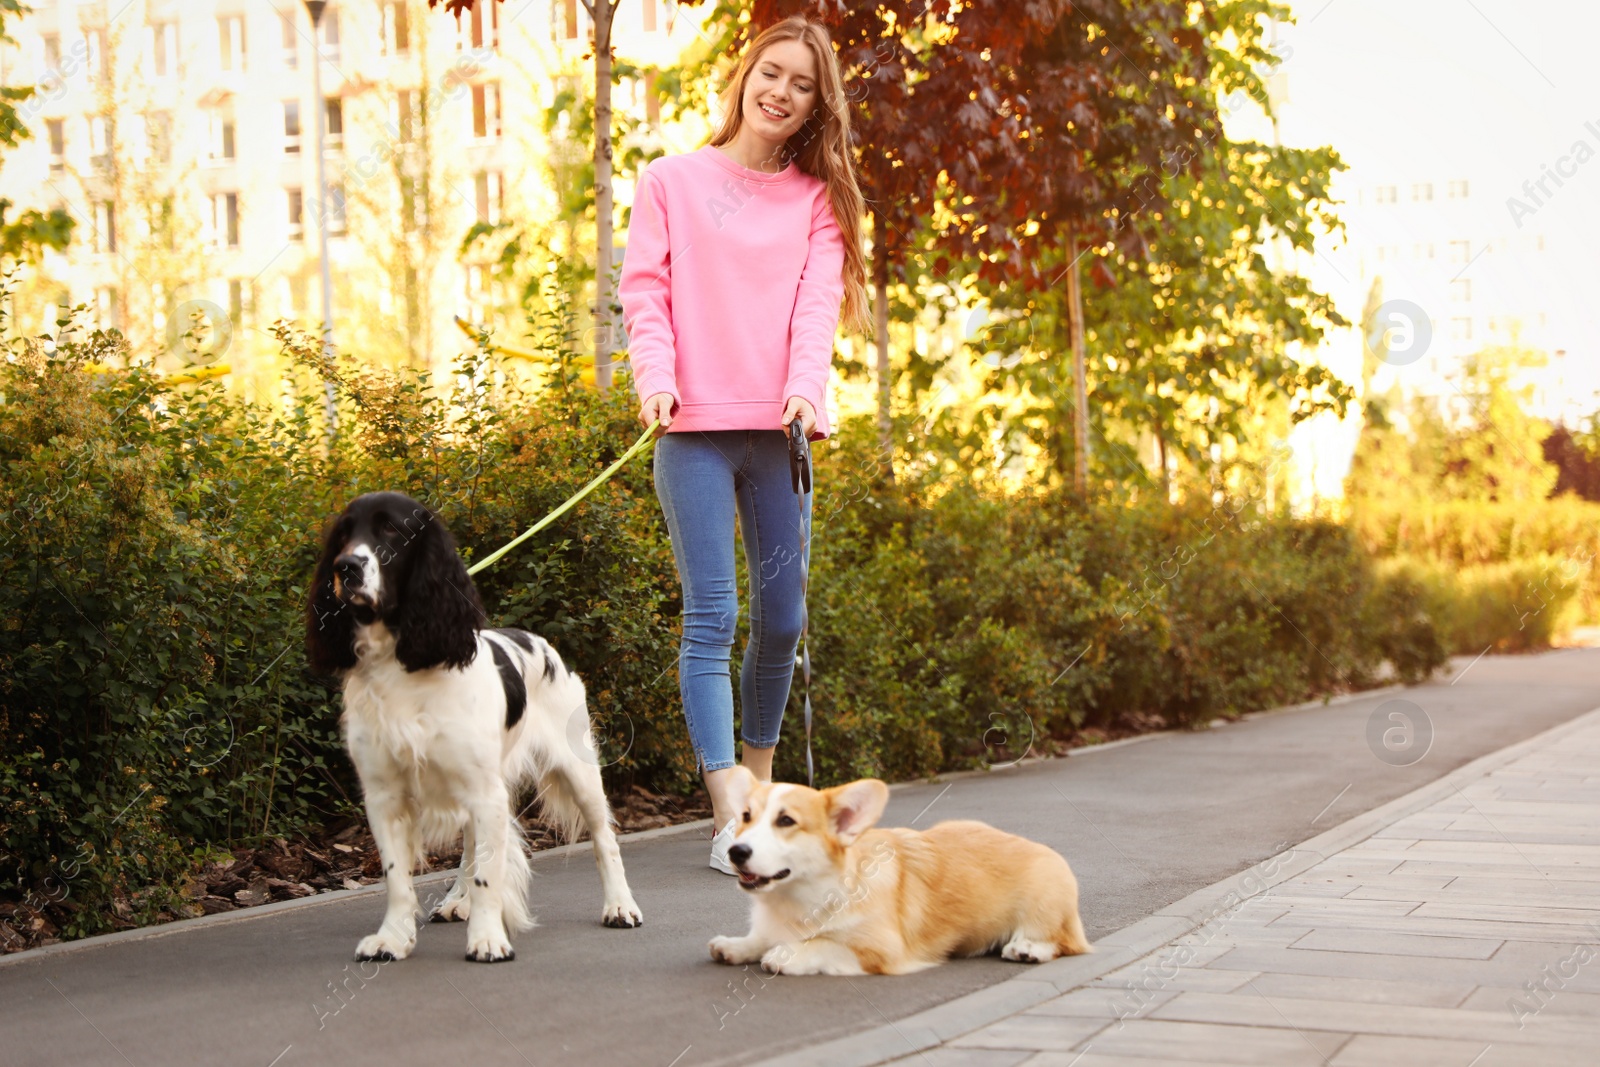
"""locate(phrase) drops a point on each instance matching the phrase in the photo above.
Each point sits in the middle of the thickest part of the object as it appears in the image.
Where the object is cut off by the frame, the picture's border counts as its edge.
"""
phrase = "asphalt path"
(1143, 824)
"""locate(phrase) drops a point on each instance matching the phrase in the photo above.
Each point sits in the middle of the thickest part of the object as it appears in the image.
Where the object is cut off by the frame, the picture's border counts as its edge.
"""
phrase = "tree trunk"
(1080, 390)
(1166, 477)
(602, 11)
(880, 308)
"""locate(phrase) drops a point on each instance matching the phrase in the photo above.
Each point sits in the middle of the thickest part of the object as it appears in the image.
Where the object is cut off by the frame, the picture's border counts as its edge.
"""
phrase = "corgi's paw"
(812, 957)
(1021, 950)
(736, 950)
(383, 947)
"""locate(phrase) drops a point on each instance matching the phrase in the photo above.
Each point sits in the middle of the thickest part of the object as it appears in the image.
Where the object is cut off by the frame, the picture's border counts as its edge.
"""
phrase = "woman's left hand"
(799, 408)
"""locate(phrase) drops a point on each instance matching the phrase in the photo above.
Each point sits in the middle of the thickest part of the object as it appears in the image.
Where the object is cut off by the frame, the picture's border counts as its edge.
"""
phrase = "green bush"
(155, 700)
(1507, 607)
(1509, 576)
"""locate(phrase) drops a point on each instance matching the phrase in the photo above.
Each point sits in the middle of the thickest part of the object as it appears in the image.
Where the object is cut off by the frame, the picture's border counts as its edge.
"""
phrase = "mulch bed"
(344, 856)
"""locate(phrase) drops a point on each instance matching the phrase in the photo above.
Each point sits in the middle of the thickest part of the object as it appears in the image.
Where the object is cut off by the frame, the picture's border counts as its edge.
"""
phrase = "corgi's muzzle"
(739, 855)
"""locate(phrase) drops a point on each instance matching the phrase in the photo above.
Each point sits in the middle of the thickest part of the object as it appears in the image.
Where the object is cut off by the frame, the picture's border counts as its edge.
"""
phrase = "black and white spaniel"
(446, 722)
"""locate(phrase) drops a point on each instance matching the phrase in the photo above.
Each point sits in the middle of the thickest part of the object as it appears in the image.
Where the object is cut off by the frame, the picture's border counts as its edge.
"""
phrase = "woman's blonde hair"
(821, 147)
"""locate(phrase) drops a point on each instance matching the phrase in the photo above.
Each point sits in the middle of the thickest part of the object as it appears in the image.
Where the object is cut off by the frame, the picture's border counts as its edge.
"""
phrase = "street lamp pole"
(320, 107)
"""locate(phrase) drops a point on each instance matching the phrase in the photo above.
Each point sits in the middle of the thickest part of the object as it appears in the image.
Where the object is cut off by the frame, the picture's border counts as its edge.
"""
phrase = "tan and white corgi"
(831, 895)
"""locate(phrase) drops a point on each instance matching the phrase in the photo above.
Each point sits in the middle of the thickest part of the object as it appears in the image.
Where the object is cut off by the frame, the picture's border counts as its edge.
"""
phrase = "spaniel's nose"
(739, 855)
(349, 569)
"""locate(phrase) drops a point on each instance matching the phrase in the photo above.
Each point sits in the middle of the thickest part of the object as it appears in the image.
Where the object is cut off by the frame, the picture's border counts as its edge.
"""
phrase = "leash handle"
(800, 476)
(799, 457)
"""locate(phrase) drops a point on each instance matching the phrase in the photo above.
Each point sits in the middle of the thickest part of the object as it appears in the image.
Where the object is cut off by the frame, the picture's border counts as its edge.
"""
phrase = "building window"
(101, 141)
(290, 40)
(479, 29)
(334, 116)
(222, 147)
(329, 26)
(396, 30)
(1538, 243)
(1460, 251)
(1461, 291)
(1422, 191)
(291, 127)
(1423, 250)
(236, 300)
(58, 144)
(105, 226)
(1460, 329)
(1458, 189)
(95, 42)
(565, 22)
(225, 220)
(491, 198)
(649, 15)
(230, 42)
(297, 214)
(52, 50)
(1386, 194)
(163, 49)
(486, 111)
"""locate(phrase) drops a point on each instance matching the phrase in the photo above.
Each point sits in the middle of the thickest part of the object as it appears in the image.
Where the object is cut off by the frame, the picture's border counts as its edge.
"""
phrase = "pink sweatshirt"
(730, 290)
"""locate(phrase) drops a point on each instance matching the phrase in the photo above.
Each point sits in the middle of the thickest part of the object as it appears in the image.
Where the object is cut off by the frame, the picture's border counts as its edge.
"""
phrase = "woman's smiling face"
(781, 92)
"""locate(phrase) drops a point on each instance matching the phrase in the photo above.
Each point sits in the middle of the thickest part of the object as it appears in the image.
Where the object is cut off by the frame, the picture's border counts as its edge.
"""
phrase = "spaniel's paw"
(383, 948)
(623, 914)
(490, 947)
(452, 910)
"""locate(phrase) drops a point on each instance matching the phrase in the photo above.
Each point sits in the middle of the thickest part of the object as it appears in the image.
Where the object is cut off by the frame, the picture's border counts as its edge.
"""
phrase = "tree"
(1027, 131)
(1193, 326)
(1482, 445)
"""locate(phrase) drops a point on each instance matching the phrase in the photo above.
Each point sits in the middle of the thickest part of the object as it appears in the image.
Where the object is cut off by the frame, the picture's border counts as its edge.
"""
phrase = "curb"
(180, 926)
(932, 1027)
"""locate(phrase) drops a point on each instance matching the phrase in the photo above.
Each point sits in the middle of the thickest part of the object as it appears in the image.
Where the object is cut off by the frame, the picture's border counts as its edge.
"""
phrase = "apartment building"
(1482, 276)
(181, 137)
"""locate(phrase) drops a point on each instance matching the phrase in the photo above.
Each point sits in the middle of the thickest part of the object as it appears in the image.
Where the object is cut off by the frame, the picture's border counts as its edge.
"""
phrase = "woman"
(738, 257)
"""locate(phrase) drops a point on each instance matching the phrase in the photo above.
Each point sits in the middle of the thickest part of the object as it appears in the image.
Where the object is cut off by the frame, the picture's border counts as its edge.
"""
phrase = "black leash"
(800, 475)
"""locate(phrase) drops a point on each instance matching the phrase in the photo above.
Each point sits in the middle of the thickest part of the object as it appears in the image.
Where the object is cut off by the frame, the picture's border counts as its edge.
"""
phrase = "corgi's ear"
(854, 808)
(741, 783)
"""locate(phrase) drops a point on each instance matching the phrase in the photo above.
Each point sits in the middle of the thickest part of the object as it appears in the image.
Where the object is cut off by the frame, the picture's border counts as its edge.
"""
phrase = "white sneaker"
(719, 849)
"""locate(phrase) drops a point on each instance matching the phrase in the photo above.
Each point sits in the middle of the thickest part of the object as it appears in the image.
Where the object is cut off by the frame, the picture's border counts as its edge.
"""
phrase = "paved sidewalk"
(1462, 933)
(1150, 827)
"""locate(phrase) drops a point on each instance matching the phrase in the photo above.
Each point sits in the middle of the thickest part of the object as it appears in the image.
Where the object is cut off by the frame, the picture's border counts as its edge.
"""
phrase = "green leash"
(638, 446)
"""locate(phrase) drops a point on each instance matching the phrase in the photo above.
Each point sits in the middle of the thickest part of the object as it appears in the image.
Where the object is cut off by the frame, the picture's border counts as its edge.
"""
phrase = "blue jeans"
(703, 480)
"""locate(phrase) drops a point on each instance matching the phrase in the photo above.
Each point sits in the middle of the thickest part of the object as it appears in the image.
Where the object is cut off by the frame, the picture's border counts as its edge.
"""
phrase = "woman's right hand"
(657, 408)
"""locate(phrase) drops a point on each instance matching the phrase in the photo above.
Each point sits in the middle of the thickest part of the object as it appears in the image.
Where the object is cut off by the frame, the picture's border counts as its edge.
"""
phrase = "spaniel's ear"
(330, 629)
(439, 612)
